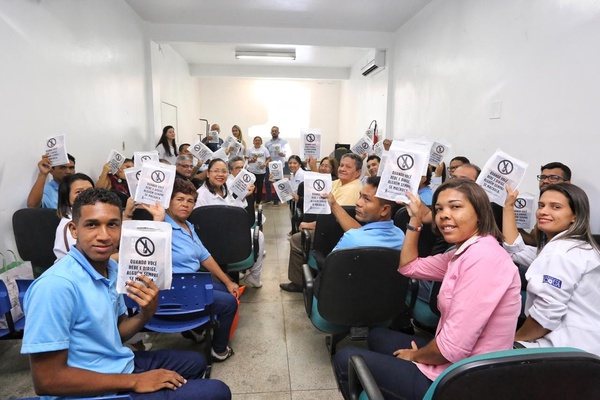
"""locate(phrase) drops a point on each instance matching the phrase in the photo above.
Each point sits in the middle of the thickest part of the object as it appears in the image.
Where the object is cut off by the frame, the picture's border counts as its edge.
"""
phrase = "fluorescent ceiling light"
(262, 54)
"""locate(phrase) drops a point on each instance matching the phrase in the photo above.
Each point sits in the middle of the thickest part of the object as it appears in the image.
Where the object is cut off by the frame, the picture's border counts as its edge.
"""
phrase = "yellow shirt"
(348, 194)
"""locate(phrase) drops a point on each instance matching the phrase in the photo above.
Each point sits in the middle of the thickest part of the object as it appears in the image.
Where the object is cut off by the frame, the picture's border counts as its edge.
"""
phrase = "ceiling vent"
(375, 63)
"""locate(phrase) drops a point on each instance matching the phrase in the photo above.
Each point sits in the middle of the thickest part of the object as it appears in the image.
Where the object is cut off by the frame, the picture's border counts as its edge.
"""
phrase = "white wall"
(540, 59)
(248, 102)
(82, 68)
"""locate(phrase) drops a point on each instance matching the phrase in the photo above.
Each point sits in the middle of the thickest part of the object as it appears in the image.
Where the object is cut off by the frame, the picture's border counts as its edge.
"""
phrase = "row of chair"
(14, 329)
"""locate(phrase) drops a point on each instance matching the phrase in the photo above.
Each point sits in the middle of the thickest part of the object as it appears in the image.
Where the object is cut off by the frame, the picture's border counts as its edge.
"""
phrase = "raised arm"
(103, 180)
(509, 223)
(345, 220)
(34, 199)
(417, 211)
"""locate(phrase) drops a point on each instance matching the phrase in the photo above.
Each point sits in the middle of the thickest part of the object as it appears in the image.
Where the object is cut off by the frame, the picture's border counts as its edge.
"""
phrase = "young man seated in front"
(77, 323)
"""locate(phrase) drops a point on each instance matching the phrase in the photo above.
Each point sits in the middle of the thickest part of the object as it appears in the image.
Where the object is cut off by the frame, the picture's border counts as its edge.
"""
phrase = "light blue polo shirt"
(71, 306)
(188, 250)
(378, 234)
(426, 195)
(50, 197)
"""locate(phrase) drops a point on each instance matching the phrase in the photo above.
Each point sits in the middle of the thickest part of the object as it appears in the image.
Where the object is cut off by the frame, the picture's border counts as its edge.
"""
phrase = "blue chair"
(534, 373)
(358, 288)
(5, 307)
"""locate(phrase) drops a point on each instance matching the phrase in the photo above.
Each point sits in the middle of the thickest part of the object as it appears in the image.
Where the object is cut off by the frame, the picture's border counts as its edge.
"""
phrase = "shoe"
(253, 281)
(193, 336)
(221, 357)
(290, 287)
(276, 204)
(264, 253)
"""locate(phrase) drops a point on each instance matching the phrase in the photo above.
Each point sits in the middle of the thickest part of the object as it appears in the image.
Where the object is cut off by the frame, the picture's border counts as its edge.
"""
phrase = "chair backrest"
(328, 231)
(189, 293)
(34, 230)
(534, 373)
(141, 214)
(22, 286)
(224, 231)
(429, 243)
(361, 286)
(250, 210)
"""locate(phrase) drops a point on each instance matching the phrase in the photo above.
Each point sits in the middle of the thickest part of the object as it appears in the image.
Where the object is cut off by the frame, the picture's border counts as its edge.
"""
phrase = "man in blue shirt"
(76, 322)
(46, 193)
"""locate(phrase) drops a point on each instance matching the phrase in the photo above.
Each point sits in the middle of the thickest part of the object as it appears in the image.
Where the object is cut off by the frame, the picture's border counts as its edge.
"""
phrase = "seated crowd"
(490, 261)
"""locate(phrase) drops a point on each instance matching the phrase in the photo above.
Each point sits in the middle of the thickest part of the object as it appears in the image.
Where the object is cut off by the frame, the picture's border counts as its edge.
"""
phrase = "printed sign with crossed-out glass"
(145, 248)
(364, 145)
(284, 191)
(132, 175)
(311, 144)
(315, 186)
(276, 170)
(235, 147)
(439, 152)
(402, 171)
(155, 184)
(501, 170)
(525, 206)
(200, 151)
(241, 183)
(56, 150)
(115, 160)
(141, 157)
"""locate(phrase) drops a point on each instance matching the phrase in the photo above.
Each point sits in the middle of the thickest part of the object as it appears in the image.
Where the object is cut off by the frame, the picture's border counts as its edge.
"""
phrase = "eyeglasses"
(186, 166)
(550, 178)
(219, 171)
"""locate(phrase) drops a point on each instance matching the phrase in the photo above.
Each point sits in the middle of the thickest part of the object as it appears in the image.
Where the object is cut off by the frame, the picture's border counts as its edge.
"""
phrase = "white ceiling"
(330, 36)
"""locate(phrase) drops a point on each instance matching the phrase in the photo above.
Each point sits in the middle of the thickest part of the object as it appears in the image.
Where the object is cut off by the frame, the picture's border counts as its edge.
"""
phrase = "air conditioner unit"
(375, 62)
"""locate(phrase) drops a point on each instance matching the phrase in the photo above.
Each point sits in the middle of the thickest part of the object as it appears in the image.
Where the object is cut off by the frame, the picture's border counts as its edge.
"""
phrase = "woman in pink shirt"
(479, 299)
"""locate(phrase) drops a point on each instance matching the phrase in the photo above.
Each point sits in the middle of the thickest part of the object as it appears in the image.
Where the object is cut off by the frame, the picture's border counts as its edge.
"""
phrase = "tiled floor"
(278, 353)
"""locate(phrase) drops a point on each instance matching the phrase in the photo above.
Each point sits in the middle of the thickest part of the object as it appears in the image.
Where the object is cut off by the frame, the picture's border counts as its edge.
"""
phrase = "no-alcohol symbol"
(281, 186)
(405, 162)
(319, 185)
(145, 158)
(440, 149)
(520, 203)
(505, 167)
(118, 157)
(275, 166)
(137, 175)
(310, 137)
(197, 147)
(247, 178)
(158, 176)
(144, 247)
(51, 143)
(365, 145)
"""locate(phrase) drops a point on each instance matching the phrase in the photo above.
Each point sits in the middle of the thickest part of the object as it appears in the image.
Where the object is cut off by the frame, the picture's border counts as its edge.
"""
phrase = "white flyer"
(316, 184)
(501, 170)
(145, 248)
(525, 206)
(311, 144)
(402, 171)
(213, 137)
(275, 150)
(56, 150)
(276, 169)
(284, 191)
(233, 145)
(115, 159)
(364, 145)
(439, 152)
(241, 183)
(201, 152)
(132, 175)
(156, 183)
(140, 157)
(378, 148)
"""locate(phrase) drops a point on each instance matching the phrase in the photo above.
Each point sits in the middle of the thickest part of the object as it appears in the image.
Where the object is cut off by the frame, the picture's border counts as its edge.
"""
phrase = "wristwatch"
(414, 228)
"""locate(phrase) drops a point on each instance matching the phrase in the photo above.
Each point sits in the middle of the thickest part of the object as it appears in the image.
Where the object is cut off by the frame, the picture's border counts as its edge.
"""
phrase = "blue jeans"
(396, 378)
(190, 365)
(224, 308)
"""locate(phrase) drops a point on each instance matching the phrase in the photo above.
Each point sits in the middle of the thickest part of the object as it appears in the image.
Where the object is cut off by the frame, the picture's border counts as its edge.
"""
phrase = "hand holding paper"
(144, 293)
(511, 196)
(416, 209)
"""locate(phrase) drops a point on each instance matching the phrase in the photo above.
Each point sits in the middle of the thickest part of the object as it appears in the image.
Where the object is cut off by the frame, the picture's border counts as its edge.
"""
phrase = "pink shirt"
(479, 299)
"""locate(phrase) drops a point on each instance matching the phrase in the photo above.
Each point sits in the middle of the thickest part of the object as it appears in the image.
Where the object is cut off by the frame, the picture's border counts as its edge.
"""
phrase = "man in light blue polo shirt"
(76, 322)
(46, 193)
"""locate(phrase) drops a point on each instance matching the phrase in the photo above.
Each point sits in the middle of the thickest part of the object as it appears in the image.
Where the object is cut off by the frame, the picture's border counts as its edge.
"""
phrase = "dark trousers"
(224, 308)
(268, 185)
(260, 180)
(396, 378)
(190, 365)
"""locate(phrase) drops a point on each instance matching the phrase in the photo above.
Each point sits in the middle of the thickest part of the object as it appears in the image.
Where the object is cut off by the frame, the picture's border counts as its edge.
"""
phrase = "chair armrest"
(255, 234)
(414, 293)
(360, 378)
(306, 243)
(307, 288)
